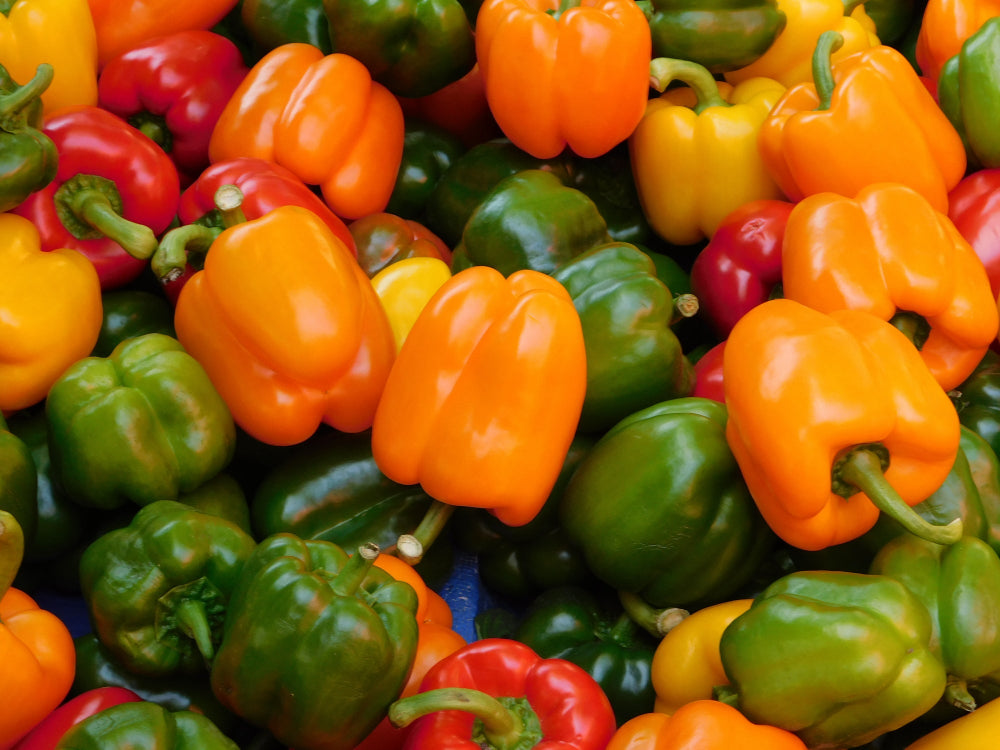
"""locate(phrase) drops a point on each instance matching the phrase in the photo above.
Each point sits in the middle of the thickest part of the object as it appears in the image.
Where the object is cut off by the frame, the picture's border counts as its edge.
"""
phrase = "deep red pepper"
(173, 88)
(459, 108)
(112, 181)
(974, 209)
(741, 265)
(567, 707)
(708, 374)
(46, 735)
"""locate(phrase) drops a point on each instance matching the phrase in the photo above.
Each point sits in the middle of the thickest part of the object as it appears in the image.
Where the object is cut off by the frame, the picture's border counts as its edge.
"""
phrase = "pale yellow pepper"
(404, 287)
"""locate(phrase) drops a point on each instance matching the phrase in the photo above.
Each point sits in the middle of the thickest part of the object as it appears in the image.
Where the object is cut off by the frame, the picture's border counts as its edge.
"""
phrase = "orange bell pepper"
(50, 312)
(944, 27)
(574, 72)
(321, 117)
(832, 418)
(896, 257)
(868, 119)
(288, 328)
(701, 725)
(485, 395)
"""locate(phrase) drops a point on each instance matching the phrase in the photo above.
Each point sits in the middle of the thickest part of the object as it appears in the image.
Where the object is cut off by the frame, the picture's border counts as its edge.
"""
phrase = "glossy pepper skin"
(973, 731)
(157, 590)
(548, 68)
(944, 27)
(404, 288)
(128, 313)
(518, 339)
(18, 485)
(681, 527)
(977, 399)
(851, 388)
(145, 724)
(173, 88)
(108, 167)
(29, 157)
(428, 151)
(854, 652)
(895, 257)
(47, 734)
(873, 106)
(323, 118)
(164, 428)
(384, 238)
(341, 616)
(271, 23)
(973, 208)
(694, 152)
(36, 349)
(283, 362)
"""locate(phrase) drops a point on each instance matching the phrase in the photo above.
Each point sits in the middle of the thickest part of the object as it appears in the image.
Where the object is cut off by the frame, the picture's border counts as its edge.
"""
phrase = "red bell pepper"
(459, 108)
(173, 88)
(708, 374)
(383, 239)
(46, 735)
(114, 192)
(741, 265)
(545, 703)
(974, 209)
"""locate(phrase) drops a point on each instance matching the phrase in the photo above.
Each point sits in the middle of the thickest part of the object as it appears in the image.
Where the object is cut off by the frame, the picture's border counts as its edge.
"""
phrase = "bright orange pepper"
(323, 118)
(571, 73)
(893, 254)
(944, 27)
(50, 312)
(288, 328)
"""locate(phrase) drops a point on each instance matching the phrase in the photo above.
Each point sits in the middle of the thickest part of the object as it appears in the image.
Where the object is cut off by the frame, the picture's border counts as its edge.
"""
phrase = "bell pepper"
(674, 527)
(977, 400)
(128, 313)
(290, 340)
(60, 33)
(113, 193)
(272, 23)
(634, 358)
(460, 108)
(323, 118)
(789, 59)
(37, 647)
(145, 724)
(548, 67)
(864, 426)
(173, 88)
(873, 106)
(895, 20)
(157, 590)
(428, 151)
(897, 258)
(29, 156)
(18, 481)
(413, 48)
(944, 27)
(708, 381)
(163, 428)
(740, 267)
(694, 153)
(517, 696)
(404, 288)
(518, 339)
(62, 283)
(700, 725)
(46, 735)
(853, 651)
(382, 239)
(341, 618)
(972, 731)
(974, 208)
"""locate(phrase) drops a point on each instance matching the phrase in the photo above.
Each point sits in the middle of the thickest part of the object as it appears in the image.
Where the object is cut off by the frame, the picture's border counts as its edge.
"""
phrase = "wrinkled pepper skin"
(974, 208)
(944, 27)
(156, 591)
(341, 616)
(853, 650)
(680, 527)
(28, 159)
(145, 724)
(163, 427)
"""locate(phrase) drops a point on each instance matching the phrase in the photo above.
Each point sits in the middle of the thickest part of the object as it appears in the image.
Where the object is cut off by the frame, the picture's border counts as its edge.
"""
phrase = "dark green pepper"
(894, 18)
(428, 152)
(18, 482)
(28, 157)
(272, 23)
(129, 313)
(221, 496)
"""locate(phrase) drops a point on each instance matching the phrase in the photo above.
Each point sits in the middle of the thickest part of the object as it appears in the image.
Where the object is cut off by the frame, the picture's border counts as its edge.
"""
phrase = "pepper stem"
(193, 621)
(90, 207)
(11, 104)
(11, 550)
(861, 469)
(685, 306)
(228, 201)
(177, 247)
(656, 622)
(822, 66)
(429, 529)
(956, 693)
(664, 70)
(153, 127)
(350, 577)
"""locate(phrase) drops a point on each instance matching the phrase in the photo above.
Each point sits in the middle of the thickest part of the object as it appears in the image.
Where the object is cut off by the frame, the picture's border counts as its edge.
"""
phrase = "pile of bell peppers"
(670, 328)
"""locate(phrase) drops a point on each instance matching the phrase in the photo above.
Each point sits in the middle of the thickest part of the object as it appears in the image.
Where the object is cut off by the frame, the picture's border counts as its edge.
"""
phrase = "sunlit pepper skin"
(896, 257)
(944, 27)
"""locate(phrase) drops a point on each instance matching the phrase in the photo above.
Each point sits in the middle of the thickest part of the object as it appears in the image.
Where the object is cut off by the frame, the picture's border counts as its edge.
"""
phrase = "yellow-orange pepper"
(832, 418)
(323, 118)
(868, 119)
(50, 312)
(893, 255)
(944, 27)
(288, 328)
(972, 731)
(58, 32)
(694, 154)
(404, 288)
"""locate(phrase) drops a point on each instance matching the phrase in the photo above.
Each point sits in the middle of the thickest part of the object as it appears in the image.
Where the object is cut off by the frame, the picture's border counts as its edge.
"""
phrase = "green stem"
(193, 621)
(350, 577)
(665, 70)
(153, 127)
(90, 207)
(656, 622)
(726, 694)
(502, 727)
(915, 327)
(11, 550)
(564, 5)
(180, 246)
(430, 527)
(11, 104)
(822, 66)
(956, 693)
(861, 469)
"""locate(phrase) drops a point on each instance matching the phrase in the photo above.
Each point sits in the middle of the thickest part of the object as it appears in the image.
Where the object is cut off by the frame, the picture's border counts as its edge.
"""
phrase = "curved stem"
(430, 527)
(685, 306)
(177, 246)
(11, 104)
(350, 577)
(501, 726)
(193, 621)
(956, 694)
(664, 70)
(656, 622)
(90, 207)
(11, 550)
(822, 66)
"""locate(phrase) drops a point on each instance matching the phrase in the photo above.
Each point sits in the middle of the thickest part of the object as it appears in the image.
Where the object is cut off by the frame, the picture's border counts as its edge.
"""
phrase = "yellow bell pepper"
(789, 58)
(973, 731)
(58, 32)
(404, 287)
(694, 153)
(50, 312)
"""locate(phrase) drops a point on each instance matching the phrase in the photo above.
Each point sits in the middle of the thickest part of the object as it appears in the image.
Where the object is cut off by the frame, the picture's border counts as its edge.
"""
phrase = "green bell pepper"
(28, 157)
(977, 400)
(530, 220)
(413, 47)
(969, 94)
(140, 425)
(428, 152)
(324, 670)
(157, 590)
(272, 23)
(18, 482)
(128, 313)
(837, 658)
(660, 509)
(894, 18)
(634, 358)
(721, 35)
(147, 725)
